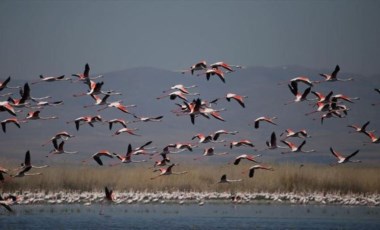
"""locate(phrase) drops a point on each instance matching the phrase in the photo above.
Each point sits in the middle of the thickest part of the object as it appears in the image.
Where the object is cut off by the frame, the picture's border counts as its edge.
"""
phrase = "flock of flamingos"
(328, 105)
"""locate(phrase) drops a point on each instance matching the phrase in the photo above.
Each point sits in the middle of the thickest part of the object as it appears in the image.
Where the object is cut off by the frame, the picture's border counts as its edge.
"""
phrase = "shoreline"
(178, 197)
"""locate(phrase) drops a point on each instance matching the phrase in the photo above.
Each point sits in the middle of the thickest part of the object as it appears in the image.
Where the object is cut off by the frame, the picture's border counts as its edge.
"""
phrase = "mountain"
(266, 90)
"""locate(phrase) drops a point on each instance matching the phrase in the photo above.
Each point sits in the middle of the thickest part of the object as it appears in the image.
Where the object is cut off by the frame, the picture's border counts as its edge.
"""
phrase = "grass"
(342, 179)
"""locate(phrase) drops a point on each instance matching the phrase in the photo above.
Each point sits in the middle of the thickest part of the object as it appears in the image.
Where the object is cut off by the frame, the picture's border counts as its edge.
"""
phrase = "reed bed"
(342, 179)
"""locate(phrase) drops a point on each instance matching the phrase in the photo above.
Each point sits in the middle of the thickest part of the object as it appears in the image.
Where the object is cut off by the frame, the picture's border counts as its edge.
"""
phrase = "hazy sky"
(54, 37)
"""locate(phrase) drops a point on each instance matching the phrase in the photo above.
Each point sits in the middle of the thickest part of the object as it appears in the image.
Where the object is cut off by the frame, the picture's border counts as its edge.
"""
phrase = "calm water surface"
(191, 216)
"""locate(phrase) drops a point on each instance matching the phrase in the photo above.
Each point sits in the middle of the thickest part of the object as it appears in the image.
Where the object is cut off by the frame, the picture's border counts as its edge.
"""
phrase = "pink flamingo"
(213, 72)
(167, 171)
(126, 130)
(10, 120)
(245, 157)
(294, 148)
(333, 76)
(51, 79)
(255, 167)
(196, 67)
(266, 119)
(342, 159)
(97, 155)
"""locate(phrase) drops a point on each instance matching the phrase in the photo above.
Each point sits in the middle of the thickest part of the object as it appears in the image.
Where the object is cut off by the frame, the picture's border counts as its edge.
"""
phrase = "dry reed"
(342, 179)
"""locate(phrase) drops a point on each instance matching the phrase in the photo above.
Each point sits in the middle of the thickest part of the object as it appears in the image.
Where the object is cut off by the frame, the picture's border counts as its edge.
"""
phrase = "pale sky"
(54, 37)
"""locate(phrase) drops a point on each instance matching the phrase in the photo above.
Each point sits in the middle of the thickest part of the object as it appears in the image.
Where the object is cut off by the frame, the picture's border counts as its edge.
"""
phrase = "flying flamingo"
(35, 115)
(98, 100)
(163, 161)
(255, 167)
(86, 119)
(342, 159)
(142, 149)
(51, 79)
(290, 133)
(272, 144)
(321, 97)
(224, 179)
(302, 79)
(212, 72)
(204, 139)
(236, 97)
(294, 148)
(360, 129)
(333, 76)
(344, 97)
(373, 138)
(10, 120)
(147, 119)
(266, 119)
(119, 106)
(60, 135)
(179, 94)
(184, 146)
(128, 157)
(95, 88)
(298, 96)
(85, 76)
(211, 152)
(321, 107)
(225, 66)
(7, 201)
(60, 150)
(25, 93)
(241, 143)
(217, 133)
(42, 104)
(181, 88)
(197, 66)
(126, 130)
(97, 155)
(117, 121)
(27, 166)
(330, 114)
(246, 157)
(168, 171)
(4, 84)
(5, 106)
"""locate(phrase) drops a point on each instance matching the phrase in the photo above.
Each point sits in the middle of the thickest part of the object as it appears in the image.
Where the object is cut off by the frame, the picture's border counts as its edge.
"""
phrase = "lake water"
(190, 216)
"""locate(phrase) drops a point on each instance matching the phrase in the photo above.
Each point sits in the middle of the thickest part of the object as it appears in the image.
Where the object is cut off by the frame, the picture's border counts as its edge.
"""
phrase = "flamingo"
(203, 139)
(342, 159)
(109, 196)
(330, 114)
(181, 88)
(255, 167)
(211, 152)
(241, 143)
(344, 97)
(246, 157)
(86, 119)
(217, 133)
(126, 130)
(95, 88)
(98, 100)
(85, 76)
(266, 119)
(333, 76)
(298, 96)
(27, 166)
(119, 106)
(302, 79)
(321, 107)
(197, 66)
(128, 157)
(10, 120)
(6, 202)
(224, 180)
(212, 72)
(321, 97)
(6, 106)
(163, 161)
(167, 171)
(272, 144)
(290, 133)
(147, 119)
(60, 135)
(184, 146)
(60, 150)
(294, 148)
(360, 129)
(225, 66)
(4, 84)
(51, 79)
(179, 94)
(373, 138)
(236, 97)
(97, 155)
(142, 149)
(42, 104)
(35, 115)
(117, 121)
(22, 102)
(196, 108)
(25, 93)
